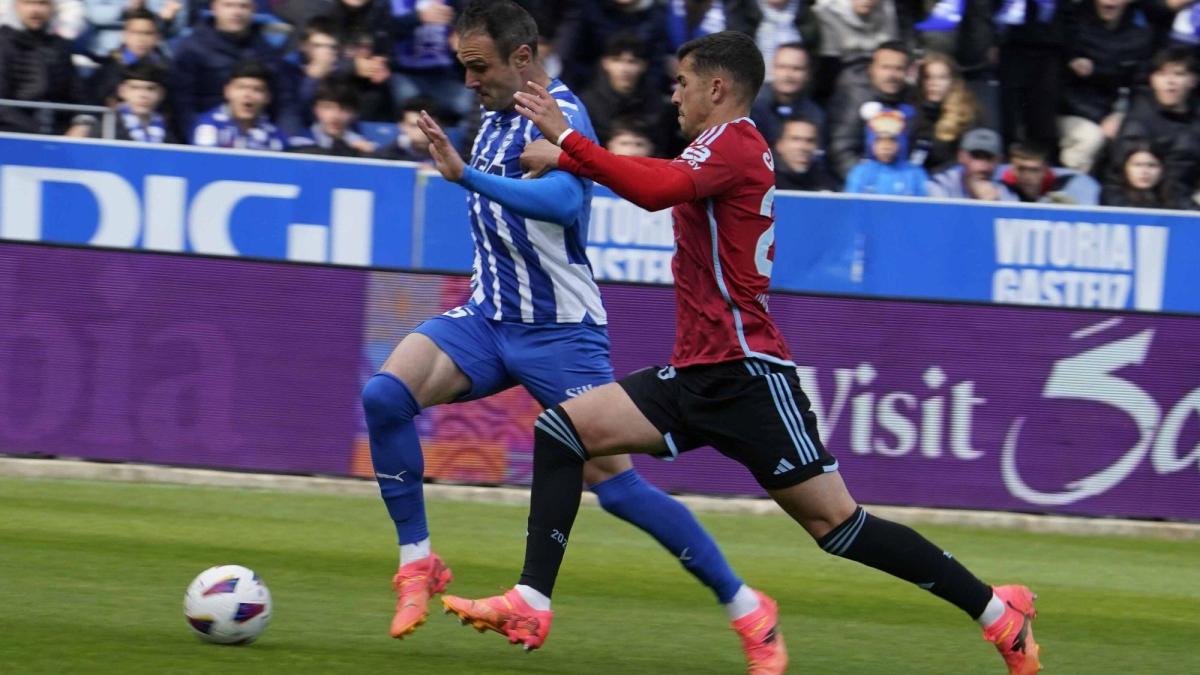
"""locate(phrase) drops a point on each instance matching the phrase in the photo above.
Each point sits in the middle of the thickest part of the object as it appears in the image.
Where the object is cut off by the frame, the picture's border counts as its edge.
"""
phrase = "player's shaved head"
(732, 52)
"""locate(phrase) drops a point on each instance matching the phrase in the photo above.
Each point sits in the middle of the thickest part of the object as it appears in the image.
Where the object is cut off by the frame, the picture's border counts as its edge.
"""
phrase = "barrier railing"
(108, 128)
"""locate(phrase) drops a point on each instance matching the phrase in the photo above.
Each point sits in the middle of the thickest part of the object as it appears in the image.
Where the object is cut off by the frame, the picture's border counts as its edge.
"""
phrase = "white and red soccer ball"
(228, 605)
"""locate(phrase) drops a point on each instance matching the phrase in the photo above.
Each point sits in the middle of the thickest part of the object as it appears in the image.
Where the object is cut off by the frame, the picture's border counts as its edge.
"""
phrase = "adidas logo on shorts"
(784, 467)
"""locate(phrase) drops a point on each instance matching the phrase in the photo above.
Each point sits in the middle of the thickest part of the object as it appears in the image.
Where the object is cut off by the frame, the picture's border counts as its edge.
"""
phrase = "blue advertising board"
(1028, 254)
(226, 202)
(379, 214)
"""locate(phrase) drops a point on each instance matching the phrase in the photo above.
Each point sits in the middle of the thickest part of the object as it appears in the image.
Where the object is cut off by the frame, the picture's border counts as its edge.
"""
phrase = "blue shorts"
(552, 361)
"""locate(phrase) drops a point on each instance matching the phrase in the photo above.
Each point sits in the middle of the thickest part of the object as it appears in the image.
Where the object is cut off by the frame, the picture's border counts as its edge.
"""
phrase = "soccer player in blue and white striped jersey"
(535, 319)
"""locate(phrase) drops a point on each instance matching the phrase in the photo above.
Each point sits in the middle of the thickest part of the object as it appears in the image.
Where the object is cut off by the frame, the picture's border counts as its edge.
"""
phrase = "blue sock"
(632, 499)
(396, 453)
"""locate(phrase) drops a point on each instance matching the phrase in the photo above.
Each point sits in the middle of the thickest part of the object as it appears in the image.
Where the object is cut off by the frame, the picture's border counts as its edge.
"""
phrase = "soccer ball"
(228, 605)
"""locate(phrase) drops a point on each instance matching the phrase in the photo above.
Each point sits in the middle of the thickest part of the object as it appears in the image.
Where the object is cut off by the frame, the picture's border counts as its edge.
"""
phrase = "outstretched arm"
(651, 184)
(557, 198)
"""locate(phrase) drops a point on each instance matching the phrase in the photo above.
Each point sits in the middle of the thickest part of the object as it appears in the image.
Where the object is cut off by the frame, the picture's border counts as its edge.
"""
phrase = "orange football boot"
(761, 640)
(508, 615)
(1012, 633)
(414, 584)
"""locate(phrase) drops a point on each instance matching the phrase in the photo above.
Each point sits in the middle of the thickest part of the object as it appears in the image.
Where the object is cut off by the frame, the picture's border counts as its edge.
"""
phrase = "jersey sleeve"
(713, 161)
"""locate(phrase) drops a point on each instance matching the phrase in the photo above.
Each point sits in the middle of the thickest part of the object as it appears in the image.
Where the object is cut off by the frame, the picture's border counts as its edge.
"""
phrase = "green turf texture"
(92, 576)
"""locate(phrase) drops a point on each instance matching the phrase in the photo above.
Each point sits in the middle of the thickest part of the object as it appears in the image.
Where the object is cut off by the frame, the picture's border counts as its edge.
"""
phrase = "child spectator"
(205, 59)
(1167, 119)
(411, 144)
(140, 41)
(107, 21)
(335, 108)
(621, 92)
(141, 92)
(627, 137)
(885, 85)
(241, 122)
(886, 171)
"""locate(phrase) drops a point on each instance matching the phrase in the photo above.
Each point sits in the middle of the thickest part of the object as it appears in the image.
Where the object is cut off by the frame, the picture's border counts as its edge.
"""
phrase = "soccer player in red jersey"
(731, 383)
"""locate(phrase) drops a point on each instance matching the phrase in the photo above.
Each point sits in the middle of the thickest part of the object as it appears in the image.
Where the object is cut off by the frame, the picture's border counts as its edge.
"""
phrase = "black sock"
(901, 552)
(558, 457)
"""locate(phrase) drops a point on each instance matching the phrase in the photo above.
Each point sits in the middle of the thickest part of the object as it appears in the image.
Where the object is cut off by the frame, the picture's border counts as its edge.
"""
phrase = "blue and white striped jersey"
(528, 270)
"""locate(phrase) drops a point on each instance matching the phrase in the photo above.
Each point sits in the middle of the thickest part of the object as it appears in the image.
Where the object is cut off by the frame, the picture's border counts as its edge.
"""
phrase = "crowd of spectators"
(1068, 101)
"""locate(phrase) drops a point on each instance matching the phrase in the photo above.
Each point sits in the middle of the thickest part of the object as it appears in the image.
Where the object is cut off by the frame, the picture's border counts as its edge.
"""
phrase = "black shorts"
(751, 411)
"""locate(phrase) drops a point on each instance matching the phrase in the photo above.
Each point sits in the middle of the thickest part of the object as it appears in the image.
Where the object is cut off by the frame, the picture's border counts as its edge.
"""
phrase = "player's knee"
(555, 438)
(386, 400)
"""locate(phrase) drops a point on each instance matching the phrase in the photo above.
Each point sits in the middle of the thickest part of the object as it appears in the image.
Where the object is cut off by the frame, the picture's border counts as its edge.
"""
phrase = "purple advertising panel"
(249, 365)
(973, 406)
(178, 360)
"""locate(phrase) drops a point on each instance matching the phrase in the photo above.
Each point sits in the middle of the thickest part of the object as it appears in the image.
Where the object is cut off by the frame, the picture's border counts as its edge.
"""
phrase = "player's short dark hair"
(145, 70)
(337, 89)
(730, 51)
(506, 22)
(320, 25)
(897, 46)
(250, 69)
(1175, 54)
(1029, 150)
(626, 42)
(141, 14)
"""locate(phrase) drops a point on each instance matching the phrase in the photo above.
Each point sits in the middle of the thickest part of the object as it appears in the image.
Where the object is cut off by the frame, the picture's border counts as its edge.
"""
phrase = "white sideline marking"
(18, 467)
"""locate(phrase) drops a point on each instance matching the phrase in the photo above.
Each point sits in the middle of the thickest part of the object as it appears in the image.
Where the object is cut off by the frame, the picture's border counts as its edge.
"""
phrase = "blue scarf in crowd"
(155, 131)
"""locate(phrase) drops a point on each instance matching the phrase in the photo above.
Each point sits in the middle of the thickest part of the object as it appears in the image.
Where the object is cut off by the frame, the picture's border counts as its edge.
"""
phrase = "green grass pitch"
(92, 576)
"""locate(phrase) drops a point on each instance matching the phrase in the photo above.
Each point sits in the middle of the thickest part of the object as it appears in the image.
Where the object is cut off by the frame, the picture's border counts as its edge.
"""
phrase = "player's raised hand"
(538, 106)
(539, 157)
(445, 157)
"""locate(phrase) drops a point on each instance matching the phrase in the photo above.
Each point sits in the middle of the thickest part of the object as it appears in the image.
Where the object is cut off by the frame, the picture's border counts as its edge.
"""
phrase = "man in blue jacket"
(205, 59)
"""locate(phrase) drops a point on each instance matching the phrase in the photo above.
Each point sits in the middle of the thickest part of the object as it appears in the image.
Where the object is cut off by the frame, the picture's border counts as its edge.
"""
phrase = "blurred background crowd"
(1068, 101)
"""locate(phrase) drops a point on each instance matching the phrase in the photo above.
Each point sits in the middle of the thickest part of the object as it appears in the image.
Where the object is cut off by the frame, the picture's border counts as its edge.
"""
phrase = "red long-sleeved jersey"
(722, 187)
